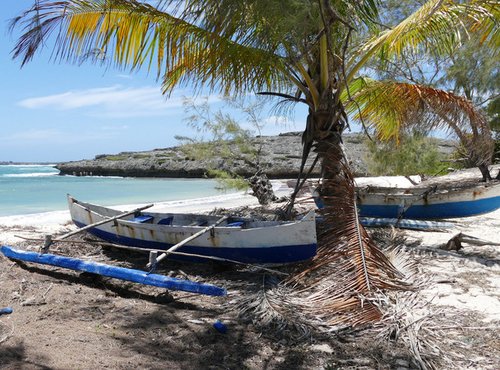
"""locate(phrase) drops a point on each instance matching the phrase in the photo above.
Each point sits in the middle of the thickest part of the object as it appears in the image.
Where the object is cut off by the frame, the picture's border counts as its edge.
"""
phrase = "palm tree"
(299, 51)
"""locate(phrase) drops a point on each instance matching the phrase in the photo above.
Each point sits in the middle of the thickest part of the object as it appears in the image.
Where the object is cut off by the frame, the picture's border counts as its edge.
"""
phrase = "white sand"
(469, 280)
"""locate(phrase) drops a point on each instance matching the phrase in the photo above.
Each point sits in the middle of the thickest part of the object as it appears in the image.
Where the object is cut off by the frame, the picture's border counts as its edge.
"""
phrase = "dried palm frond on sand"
(405, 326)
(350, 286)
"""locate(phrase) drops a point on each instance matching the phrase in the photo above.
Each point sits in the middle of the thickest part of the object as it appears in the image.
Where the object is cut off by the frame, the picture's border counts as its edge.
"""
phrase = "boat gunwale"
(431, 190)
(184, 228)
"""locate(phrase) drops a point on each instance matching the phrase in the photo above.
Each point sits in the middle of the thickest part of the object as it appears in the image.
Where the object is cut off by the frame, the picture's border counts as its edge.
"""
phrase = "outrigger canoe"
(237, 239)
(427, 201)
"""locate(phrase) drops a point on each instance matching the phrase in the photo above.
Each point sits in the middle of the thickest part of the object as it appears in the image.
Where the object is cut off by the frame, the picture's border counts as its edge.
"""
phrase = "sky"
(55, 111)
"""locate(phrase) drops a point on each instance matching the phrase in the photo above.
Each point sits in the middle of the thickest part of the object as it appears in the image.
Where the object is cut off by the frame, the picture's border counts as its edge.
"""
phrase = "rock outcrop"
(280, 158)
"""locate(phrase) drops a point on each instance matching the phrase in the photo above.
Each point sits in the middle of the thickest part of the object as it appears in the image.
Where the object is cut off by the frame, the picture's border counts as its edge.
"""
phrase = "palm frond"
(133, 34)
(390, 107)
(439, 26)
(348, 272)
(488, 27)
(275, 306)
(344, 285)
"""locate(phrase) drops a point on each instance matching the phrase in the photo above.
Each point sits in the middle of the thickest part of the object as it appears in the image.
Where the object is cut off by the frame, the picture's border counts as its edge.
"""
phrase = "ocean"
(26, 189)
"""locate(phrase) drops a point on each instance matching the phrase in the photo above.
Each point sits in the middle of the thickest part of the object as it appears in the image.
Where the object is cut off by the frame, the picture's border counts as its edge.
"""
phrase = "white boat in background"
(237, 239)
(458, 194)
(429, 202)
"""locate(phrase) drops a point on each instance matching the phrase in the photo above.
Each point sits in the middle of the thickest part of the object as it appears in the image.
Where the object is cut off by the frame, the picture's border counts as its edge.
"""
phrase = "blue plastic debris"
(220, 327)
(5, 311)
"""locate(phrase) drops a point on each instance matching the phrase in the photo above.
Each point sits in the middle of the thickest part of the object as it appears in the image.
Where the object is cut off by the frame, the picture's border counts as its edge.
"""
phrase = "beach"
(63, 319)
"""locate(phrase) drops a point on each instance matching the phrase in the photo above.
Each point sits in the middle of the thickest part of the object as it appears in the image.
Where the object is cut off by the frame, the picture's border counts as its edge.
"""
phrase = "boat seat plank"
(199, 223)
(236, 224)
(142, 219)
(166, 221)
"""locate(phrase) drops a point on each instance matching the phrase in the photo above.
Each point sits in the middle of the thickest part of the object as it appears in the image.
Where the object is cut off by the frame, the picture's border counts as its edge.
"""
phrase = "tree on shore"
(229, 143)
(298, 51)
(470, 71)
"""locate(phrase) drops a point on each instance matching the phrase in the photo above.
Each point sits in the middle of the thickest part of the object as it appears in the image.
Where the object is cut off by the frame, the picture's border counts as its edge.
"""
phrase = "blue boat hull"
(272, 255)
(426, 203)
(432, 211)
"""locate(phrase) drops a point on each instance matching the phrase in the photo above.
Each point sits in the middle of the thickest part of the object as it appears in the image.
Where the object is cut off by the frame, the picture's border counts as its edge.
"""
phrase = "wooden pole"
(180, 244)
(49, 241)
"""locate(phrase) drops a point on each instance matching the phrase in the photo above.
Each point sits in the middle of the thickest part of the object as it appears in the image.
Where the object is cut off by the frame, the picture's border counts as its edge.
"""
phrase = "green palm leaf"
(135, 35)
(439, 25)
(389, 107)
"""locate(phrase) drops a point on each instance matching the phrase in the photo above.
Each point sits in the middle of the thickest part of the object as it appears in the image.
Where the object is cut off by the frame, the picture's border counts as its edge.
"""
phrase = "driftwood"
(455, 243)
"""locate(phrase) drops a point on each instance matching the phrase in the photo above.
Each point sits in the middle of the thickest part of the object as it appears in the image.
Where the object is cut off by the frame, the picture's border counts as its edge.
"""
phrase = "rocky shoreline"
(280, 158)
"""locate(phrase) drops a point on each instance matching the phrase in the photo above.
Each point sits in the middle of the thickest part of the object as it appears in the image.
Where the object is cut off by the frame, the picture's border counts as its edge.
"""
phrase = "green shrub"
(115, 158)
(141, 156)
(222, 137)
(226, 180)
(415, 154)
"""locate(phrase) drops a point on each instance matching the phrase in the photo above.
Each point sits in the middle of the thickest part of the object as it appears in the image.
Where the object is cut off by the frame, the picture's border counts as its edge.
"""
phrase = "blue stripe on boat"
(281, 254)
(429, 211)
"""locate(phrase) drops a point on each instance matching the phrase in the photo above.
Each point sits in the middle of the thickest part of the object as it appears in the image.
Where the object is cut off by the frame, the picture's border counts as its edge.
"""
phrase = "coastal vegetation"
(298, 52)
(415, 154)
(223, 138)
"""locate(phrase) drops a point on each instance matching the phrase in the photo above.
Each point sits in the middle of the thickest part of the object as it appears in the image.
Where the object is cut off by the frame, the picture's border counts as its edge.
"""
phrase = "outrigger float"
(136, 276)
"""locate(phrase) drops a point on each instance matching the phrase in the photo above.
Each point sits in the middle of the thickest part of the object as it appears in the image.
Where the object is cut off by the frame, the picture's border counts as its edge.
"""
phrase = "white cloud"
(112, 102)
(32, 135)
(42, 137)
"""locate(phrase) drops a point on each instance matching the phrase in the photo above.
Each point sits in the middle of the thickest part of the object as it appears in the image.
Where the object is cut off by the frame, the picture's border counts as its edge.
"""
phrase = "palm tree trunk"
(328, 146)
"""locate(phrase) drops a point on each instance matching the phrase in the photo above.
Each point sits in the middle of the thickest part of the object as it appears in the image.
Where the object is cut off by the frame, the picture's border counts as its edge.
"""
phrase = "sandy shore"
(61, 321)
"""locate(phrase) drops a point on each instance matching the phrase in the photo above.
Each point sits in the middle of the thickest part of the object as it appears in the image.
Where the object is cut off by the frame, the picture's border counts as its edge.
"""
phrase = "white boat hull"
(429, 203)
(250, 242)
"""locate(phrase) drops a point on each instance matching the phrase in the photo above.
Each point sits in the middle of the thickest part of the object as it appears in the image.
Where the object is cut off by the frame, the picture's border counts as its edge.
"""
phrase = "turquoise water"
(28, 189)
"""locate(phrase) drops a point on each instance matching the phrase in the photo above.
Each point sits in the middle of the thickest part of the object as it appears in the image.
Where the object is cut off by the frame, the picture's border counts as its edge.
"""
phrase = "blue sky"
(53, 112)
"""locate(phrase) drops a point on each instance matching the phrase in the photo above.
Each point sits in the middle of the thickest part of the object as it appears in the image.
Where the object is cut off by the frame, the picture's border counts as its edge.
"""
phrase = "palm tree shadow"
(14, 357)
(175, 340)
(122, 289)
